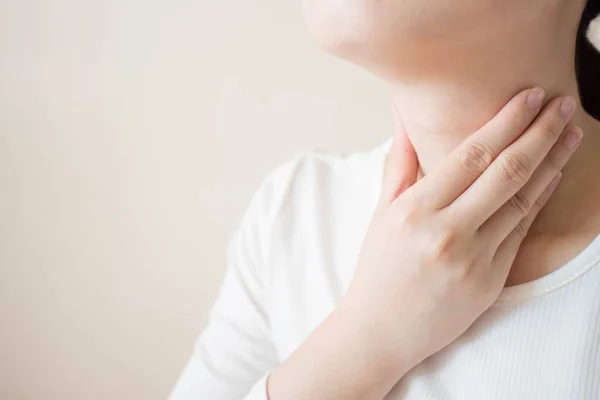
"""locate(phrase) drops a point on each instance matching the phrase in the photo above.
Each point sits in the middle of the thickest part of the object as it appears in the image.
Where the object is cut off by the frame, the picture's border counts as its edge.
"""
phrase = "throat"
(438, 119)
(444, 92)
(440, 115)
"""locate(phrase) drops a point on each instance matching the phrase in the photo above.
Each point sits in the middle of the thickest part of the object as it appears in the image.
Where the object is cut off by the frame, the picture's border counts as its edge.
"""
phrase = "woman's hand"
(437, 253)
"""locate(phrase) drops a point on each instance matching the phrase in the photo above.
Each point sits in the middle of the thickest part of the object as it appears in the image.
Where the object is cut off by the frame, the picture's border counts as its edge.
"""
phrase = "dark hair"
(587, 62)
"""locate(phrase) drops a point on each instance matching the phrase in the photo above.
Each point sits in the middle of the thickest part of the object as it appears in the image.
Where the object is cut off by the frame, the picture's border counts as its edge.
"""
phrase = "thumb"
(401, 166)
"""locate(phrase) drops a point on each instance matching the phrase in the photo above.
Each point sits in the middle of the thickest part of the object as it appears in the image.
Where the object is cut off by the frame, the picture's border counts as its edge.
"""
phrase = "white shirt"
(293, 257)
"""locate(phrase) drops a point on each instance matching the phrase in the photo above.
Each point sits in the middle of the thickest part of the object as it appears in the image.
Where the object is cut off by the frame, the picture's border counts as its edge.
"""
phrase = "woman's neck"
(438, 118)
(448, 88)
(441, 110)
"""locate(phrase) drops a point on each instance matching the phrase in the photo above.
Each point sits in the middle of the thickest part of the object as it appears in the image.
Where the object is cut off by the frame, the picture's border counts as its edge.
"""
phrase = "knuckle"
(463, 270)
(442, 247)
(538, 204)
(553, 162)
(521, 230)
(476, 157)
(515, 169)
(520, 202)
(407, 216)
(553, 127)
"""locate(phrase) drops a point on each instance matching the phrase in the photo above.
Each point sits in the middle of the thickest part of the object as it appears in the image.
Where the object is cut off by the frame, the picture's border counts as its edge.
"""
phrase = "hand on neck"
(456, 85)
(443, 101)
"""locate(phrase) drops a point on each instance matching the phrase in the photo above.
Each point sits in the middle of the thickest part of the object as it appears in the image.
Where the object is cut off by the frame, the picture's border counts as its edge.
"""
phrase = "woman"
(451, 264)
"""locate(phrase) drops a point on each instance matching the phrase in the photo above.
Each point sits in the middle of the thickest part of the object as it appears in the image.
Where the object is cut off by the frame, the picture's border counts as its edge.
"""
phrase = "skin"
(439, 251)
(490, 50)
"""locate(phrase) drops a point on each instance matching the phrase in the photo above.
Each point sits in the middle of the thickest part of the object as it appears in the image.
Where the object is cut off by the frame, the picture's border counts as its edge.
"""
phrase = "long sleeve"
(234, 354)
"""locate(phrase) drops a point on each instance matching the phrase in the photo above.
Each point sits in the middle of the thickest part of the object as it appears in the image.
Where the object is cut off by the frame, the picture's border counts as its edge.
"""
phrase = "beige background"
(132, 135)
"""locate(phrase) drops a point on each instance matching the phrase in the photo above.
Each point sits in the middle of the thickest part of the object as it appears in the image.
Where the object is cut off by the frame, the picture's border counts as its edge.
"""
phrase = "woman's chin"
(340, 32)
(369, 33)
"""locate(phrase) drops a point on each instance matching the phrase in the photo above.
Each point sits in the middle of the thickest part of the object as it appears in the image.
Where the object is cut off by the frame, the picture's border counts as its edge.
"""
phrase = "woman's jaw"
(453, 64)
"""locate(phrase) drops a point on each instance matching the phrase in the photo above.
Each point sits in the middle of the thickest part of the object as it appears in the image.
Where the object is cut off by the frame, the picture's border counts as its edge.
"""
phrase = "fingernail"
(573, 138)
(536, 98)
(567, 108)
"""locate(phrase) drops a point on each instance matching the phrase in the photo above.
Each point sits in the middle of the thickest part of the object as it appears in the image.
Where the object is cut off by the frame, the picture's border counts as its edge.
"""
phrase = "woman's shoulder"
(313, 204)
(316, 181)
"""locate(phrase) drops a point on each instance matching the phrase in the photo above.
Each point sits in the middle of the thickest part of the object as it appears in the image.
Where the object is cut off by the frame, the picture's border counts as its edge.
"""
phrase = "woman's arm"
(344, 358)
(437, 253)
(235, 352)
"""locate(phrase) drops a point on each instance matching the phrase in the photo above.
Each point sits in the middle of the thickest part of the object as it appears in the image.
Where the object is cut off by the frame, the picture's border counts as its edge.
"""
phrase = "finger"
(468, 161)
(401, 165)
(502, 223)
(507, 251)
(513, 168)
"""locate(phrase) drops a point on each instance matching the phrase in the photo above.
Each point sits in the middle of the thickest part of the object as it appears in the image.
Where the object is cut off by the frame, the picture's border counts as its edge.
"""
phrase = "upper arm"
(236, 349)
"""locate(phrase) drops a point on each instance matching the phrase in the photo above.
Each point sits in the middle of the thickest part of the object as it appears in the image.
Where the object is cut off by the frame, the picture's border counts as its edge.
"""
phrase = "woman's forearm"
(341, 359)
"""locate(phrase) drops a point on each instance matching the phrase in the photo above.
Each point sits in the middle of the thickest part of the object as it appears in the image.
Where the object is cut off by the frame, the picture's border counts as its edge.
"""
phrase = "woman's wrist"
(342, 358)
(394, 352)
(385, 350)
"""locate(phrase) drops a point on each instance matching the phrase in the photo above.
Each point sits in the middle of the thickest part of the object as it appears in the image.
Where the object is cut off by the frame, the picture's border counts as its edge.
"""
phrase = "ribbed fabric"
(293, 257)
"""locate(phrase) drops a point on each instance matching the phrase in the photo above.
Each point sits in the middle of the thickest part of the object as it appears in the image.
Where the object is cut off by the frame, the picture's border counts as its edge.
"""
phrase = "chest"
(543, 348)
(548, 355)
